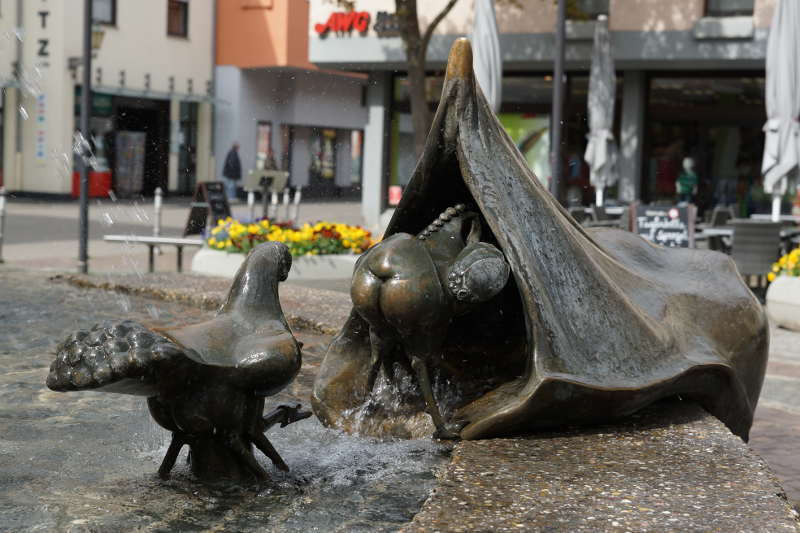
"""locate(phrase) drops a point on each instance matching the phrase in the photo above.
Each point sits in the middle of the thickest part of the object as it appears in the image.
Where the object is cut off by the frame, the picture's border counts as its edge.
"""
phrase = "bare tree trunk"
(416, 52)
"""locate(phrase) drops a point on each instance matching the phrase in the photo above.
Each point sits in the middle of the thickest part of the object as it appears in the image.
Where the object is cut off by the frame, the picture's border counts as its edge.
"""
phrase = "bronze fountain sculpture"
(590, 325)
(484, 286)
(206, 383)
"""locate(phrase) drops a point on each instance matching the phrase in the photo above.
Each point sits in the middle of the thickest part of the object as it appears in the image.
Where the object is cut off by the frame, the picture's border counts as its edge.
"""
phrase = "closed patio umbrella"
(486, 61)
(782, 130)
(601, 152)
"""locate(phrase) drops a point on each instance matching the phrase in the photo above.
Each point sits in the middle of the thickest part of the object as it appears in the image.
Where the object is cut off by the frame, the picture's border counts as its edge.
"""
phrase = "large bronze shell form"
(594, 324)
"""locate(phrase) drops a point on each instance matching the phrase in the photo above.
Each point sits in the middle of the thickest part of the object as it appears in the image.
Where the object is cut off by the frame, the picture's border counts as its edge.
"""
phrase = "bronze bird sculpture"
(206, 382)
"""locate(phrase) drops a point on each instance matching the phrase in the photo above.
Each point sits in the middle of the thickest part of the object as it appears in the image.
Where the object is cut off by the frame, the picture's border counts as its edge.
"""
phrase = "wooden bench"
(152, 242)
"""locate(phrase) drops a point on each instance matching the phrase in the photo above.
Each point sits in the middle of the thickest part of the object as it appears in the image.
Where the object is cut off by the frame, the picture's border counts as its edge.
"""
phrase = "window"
(729, 8)
(178, 18)
(586, 9)
(104, 12)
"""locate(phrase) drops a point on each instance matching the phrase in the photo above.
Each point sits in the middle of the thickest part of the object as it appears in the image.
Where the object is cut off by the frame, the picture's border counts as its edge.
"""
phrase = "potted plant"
(783, 294)
(324, 250)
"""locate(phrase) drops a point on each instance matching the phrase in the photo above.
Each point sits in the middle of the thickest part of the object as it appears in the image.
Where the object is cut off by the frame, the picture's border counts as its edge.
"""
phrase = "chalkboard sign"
(671, 226)
(209, 201)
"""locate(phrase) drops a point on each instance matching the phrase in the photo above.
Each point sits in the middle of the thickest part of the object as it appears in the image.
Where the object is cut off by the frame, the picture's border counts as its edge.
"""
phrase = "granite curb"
(669, 467)
(318, 310)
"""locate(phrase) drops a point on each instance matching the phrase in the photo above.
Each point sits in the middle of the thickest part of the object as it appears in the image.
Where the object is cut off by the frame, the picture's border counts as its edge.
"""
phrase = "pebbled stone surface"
(670, 467)
(87, 461)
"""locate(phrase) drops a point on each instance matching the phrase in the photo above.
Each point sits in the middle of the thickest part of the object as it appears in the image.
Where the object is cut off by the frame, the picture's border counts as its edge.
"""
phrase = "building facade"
(282, 110)
(152, 78)
(690, 77)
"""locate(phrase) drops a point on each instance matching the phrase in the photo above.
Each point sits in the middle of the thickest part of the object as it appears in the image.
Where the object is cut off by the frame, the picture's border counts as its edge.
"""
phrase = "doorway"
(151, 117)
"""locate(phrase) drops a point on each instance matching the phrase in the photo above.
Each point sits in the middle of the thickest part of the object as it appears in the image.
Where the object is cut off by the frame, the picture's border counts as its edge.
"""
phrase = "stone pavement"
(776, 428)
(44, 235)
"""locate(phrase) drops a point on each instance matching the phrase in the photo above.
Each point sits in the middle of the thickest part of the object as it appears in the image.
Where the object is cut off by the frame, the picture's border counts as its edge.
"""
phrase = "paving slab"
(670, 467)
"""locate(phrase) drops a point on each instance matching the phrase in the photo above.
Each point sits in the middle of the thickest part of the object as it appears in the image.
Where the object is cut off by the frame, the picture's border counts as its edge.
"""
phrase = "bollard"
(251, 204)
(157, 201)
(296, 205)
(2, 219)
(272, 214)
(286, 196)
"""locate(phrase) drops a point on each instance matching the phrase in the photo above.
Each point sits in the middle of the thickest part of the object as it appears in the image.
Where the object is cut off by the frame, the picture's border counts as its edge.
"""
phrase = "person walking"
(232, 171)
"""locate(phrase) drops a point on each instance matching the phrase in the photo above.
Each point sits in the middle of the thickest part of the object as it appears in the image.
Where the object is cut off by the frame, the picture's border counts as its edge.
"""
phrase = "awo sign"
(344, 22)
(386, 24)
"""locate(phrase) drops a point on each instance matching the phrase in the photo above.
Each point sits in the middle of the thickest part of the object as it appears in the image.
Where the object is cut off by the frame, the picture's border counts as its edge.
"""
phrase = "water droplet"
(23, 113)
(108, 220)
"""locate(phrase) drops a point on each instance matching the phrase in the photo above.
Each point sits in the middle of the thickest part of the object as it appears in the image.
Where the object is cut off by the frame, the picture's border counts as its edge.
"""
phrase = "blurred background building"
(152, 81)
(283, 110)
(176, 83)
(690, 82)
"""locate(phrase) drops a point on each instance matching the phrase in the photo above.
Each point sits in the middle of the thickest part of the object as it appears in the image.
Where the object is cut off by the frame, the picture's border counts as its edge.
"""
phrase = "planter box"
(215, 263)
(783, 302)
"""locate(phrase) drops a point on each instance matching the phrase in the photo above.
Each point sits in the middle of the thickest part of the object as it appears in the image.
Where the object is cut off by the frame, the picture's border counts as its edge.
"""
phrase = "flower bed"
(323, 238)
(783, 294)
(323, 250)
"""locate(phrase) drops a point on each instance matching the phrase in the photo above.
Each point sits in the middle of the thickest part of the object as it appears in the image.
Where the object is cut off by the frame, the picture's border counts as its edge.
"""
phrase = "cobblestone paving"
(776, 429)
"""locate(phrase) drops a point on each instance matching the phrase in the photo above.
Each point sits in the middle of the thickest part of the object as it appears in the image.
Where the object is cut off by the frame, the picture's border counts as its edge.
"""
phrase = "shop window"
(586, 9)
(265, 158)
(729, 8)
(178, 18)
(717, 123)
(104, 12)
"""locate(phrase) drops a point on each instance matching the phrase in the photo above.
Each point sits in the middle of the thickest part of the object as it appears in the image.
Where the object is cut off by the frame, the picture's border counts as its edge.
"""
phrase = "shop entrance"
(150, 117)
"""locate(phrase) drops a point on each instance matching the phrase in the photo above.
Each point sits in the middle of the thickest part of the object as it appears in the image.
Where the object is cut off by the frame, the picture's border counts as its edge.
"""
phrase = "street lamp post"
(558, 101)
(83, 160)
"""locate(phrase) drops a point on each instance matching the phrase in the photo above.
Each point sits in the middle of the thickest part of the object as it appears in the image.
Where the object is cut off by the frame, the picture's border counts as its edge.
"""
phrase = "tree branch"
(435, 22)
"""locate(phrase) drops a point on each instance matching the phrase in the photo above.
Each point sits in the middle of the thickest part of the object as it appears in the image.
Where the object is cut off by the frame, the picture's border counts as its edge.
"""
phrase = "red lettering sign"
(344, 22)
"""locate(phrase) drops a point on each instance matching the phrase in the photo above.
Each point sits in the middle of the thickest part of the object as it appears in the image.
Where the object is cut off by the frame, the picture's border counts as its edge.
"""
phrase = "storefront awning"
(159, 95)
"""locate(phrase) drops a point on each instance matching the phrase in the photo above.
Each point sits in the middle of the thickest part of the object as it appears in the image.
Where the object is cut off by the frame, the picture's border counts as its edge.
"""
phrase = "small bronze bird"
(206, 382)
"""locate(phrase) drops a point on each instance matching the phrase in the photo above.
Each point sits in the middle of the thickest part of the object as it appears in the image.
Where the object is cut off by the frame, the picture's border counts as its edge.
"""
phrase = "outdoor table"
(784, 218)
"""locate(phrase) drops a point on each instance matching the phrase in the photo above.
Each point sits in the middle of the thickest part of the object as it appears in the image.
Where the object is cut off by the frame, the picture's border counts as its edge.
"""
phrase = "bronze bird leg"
(262, 443)
(175, 445)
(443, 431)
(242, 451)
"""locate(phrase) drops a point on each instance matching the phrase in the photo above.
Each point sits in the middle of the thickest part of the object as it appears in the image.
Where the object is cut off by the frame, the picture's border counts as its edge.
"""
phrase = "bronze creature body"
(409, 289)
(592, 325)
(206, 383)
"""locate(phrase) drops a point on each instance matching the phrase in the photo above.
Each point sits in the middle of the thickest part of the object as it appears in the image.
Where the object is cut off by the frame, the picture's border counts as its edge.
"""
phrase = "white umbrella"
(601, 152)
(782, 142)
(486, 60)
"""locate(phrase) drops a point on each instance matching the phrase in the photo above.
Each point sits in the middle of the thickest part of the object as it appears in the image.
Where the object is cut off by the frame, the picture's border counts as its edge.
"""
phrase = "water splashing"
(23, 113)
(83, 149)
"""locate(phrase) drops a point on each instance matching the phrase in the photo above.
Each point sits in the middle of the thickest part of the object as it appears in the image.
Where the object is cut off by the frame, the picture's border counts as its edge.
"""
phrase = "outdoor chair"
(756, 245)
(578, 213)
(720, 216)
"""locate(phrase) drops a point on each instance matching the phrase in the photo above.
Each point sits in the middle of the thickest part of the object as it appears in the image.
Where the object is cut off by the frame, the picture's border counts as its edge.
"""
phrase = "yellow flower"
(252, 228)
(771, 276)
(776, 267)
(212, 241)
(783, 260)
(220, 245)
